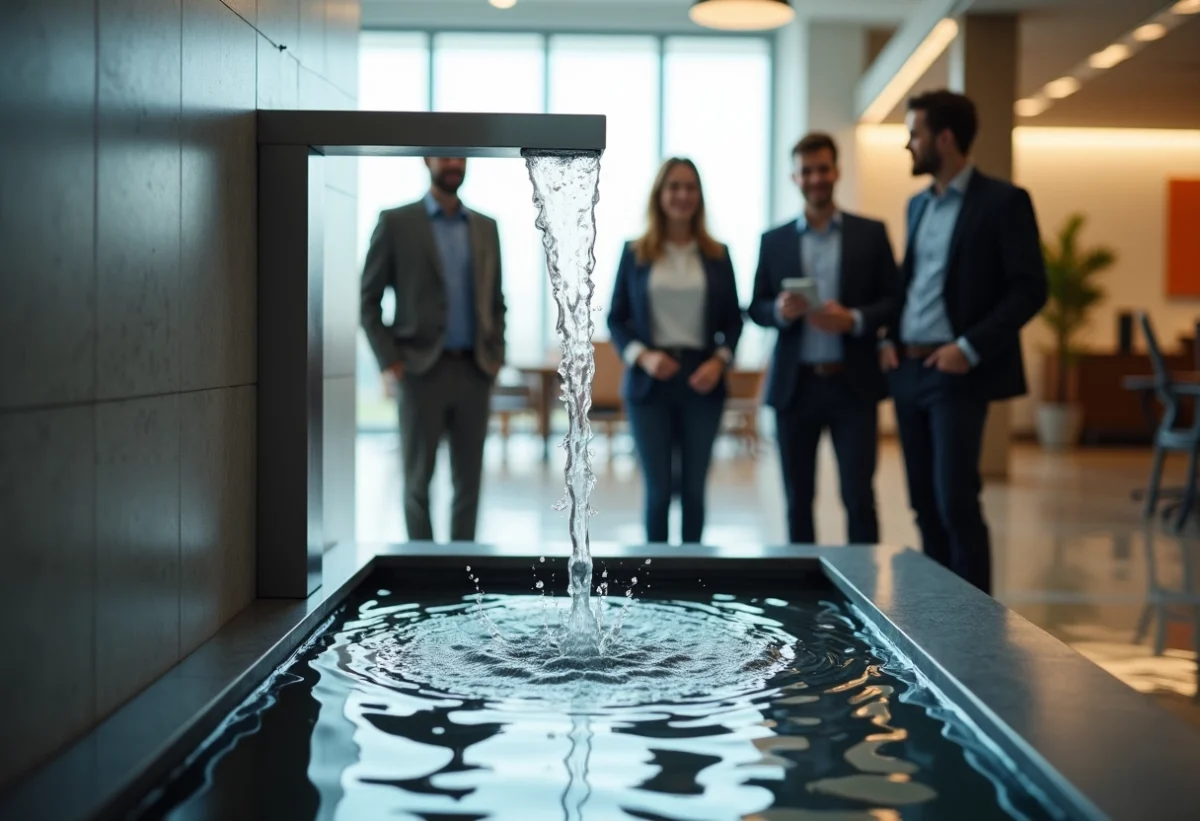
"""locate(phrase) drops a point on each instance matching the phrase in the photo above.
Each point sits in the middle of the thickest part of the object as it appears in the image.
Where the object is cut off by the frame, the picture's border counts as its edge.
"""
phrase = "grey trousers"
(452, 399)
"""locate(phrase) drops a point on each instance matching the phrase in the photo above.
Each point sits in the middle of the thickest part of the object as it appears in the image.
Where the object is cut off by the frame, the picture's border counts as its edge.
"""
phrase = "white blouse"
(678, 296)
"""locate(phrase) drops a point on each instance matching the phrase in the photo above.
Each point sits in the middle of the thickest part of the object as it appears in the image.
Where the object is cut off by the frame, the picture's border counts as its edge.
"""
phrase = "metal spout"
(431, 134)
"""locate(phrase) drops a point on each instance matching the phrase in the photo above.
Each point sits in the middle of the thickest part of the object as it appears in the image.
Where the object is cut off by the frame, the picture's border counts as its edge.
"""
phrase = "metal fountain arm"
(292, 147)
(431, 134)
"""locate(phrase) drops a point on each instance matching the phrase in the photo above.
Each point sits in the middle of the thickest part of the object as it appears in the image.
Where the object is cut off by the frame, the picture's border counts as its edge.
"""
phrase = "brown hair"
(948, 110)
(649, 246)
(815, 141)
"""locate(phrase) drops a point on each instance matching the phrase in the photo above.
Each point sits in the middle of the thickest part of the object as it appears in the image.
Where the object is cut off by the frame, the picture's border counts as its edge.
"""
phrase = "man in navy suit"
(973, 275)
(825, 370)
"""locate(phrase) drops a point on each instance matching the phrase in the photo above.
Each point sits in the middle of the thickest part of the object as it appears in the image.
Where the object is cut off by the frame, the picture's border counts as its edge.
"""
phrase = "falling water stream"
(565, 191)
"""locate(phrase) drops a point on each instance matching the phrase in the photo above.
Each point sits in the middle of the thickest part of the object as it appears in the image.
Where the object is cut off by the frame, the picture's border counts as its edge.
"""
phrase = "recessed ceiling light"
(1186, 7)
(1030, 106)
(1149, 32)
(503, 4)
(1062, 87)
(1116, 53)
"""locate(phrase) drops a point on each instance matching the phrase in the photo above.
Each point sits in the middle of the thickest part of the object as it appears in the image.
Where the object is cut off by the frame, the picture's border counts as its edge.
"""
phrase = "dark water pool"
(706, 707)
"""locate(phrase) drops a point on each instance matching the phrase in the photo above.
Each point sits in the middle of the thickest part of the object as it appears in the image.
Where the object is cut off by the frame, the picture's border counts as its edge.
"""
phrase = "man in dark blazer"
(825, 370)
(445, 345)
(973, 275)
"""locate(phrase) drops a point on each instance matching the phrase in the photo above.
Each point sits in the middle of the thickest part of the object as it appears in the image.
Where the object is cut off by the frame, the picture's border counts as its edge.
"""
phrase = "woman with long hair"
(676, 321)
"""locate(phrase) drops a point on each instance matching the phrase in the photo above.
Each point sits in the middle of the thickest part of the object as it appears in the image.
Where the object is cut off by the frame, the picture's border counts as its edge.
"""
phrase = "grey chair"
(1169, 436)
(1170, 605)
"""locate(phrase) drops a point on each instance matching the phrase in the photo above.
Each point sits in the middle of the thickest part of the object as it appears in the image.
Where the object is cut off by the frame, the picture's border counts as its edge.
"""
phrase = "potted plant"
(1072, 273)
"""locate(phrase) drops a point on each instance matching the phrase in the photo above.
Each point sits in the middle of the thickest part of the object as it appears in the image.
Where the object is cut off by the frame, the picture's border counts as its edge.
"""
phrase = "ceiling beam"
(904, 43)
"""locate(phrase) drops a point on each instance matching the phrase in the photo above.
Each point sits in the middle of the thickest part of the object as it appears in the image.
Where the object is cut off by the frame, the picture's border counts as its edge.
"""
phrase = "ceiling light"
(914, 69)
(1030, 106)
(1116, 53)
(1186, 7)
(741, 15)
(1062, 87)
(503, 4)
(1149, 32)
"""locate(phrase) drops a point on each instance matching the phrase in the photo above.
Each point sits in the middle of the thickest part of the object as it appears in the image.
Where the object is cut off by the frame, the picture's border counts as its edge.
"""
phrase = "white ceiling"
(599, 15)
(1157, 87)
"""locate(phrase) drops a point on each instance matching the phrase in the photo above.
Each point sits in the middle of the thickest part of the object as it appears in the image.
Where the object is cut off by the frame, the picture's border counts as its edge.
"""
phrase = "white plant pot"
(1058, 425)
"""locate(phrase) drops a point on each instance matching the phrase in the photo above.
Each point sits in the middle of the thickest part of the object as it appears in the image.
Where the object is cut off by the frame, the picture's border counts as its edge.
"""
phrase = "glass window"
(502, 73)
(616, 77)
(393, 76)
(716, 110)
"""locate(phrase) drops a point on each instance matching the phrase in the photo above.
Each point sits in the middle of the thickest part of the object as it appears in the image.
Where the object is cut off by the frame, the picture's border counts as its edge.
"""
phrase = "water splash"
(565, 192)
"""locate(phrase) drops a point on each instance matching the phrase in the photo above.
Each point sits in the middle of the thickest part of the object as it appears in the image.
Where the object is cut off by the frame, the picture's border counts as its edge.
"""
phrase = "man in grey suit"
(446, 343)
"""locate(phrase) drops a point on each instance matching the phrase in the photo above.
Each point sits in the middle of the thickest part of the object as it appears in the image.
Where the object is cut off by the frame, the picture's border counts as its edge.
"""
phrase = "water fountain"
(801, 683)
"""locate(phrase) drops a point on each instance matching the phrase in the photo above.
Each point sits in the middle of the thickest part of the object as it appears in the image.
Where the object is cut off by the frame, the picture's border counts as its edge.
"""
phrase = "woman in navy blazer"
(676, 321)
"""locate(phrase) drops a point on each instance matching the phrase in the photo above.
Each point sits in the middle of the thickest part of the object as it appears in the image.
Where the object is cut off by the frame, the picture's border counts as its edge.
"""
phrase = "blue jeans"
(941, 431)
(674, 429)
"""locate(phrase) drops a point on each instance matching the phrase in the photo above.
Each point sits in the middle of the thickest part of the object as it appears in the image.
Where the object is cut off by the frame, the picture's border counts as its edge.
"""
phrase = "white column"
(791, 113)
(817, 69)
(983, 65)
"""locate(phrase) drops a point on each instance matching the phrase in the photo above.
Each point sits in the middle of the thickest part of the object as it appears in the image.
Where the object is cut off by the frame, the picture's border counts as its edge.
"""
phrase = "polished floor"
(1071, 553)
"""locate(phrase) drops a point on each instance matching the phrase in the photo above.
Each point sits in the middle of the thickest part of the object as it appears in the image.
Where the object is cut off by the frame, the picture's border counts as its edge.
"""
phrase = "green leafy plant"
(1073, 292)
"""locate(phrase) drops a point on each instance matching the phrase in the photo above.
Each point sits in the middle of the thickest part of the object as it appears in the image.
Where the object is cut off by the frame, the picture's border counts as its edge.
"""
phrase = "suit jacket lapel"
(845, 247)
(424, 230)
(710, 295)
(966, 215)
(641, 286)
(794, 261)
(480, 269)
(915, 212)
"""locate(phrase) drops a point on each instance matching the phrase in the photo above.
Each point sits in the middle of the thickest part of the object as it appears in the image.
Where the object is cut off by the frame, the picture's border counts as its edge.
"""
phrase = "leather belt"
(826, 368)
(919, 351)
(679, 354)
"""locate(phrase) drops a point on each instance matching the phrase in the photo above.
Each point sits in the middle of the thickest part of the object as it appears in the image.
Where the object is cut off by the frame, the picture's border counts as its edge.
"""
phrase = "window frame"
(546, 33)
(661, 38)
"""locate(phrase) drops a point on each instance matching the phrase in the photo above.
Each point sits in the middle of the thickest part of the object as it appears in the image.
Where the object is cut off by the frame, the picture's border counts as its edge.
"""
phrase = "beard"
(448, 182)
(929, 162)
(819, 197)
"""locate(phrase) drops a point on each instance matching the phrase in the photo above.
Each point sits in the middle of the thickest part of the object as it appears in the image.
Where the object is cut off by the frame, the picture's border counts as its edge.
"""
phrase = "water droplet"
(539, 585)
(383, 593)
(542, 559)
(633, 580)
(647, 562)
(439, 730)
(468, 568)
(604, 575)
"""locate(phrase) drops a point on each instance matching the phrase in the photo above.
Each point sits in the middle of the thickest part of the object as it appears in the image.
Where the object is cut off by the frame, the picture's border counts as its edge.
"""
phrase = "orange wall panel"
(1183, 238)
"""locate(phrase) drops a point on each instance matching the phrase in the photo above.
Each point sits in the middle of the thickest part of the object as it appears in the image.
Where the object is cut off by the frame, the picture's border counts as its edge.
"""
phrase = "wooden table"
(546, 381)
(1112, 412)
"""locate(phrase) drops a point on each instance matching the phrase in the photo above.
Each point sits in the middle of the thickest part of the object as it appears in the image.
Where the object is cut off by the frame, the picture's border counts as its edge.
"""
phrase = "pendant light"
(741, 15)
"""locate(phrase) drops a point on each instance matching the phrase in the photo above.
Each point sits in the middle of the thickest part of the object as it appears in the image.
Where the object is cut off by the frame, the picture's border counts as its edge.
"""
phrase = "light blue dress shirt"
(821, 260)
(452, 236)
(925, 320)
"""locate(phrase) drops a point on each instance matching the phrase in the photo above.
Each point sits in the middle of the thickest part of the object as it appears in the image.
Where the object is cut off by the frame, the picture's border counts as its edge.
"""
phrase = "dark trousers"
(451, 400)
(820, 403)
(941, 431)
(674, 429)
